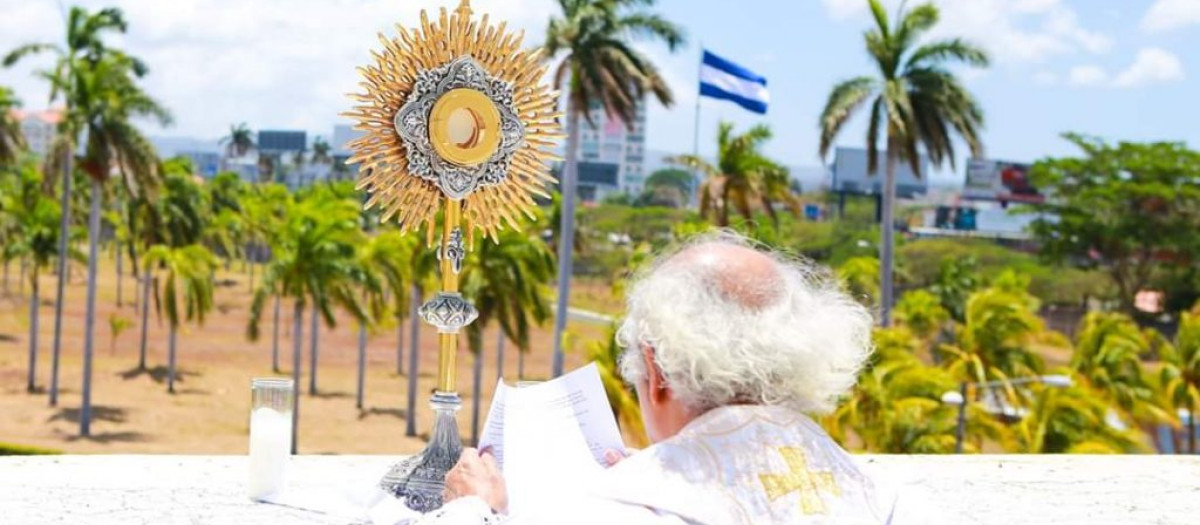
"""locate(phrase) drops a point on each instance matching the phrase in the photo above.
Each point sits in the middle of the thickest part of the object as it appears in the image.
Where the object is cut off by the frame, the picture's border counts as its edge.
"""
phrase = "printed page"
(493, 429)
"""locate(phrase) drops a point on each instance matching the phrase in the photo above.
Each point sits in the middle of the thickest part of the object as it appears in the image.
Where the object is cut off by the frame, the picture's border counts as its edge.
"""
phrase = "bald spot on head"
(743, 275)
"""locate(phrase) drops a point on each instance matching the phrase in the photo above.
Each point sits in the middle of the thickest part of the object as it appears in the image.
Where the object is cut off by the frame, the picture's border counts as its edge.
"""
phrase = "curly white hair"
(728, 323)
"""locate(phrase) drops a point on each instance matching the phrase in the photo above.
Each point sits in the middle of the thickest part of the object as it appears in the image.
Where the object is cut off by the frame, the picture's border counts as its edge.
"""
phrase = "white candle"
(270, 447)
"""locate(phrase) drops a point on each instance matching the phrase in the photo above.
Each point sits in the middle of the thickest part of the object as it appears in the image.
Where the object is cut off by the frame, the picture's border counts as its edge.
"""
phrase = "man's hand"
(612, 457)
(477, 474)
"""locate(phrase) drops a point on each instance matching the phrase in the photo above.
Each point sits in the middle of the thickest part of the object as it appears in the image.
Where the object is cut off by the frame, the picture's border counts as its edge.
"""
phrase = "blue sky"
(1120, 69)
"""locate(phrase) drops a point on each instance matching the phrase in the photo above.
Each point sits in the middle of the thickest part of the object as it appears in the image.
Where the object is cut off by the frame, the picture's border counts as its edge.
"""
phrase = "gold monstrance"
(456, 120)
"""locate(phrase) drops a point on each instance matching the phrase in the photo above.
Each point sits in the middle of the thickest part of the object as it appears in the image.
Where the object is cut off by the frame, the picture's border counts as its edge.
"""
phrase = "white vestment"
(735, 465)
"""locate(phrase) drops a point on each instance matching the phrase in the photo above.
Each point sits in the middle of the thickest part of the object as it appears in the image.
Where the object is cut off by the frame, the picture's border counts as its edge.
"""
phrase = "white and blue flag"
(722, 79)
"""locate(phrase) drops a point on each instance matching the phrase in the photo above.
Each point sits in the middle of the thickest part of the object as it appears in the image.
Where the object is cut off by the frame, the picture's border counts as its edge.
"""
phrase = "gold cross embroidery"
(810, 483)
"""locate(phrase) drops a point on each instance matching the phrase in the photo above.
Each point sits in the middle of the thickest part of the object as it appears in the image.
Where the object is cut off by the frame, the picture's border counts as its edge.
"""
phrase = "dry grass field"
(133, 413)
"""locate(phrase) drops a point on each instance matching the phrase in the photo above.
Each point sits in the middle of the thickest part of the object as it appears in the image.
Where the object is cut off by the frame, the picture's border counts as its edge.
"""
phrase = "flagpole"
(696, 130)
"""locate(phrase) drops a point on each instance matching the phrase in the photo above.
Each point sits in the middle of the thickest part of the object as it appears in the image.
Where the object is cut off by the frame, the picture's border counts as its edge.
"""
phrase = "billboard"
(281, 141)
(850, 174)
(1000, 181)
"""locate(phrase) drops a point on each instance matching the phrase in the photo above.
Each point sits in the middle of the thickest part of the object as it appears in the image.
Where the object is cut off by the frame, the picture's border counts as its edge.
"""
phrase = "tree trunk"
(566, 236)
(414, 335)
(251, 276)
(63, 244)
(500, 339)
(33, 331)
(888, 246)
(21, 277)
(275, 339)
(520, 364)
(297, 346)
(314, 331)
(362, 362)
(145, 319)
(171, 358)
(1191, 426)
(120, 275)
(85, 413)
(477, 382)
(400, 345)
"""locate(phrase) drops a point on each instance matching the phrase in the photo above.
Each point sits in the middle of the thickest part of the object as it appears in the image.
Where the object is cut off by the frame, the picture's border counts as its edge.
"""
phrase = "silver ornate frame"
(412, 125)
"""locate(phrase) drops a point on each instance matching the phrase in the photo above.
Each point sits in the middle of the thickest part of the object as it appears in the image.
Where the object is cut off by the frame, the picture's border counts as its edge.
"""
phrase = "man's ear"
(656, 385)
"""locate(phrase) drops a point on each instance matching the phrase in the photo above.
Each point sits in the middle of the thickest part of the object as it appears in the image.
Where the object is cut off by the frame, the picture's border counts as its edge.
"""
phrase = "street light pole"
(960, 398)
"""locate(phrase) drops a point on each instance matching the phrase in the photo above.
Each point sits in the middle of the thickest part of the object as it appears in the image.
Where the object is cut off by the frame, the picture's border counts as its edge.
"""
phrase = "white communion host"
(730, 347)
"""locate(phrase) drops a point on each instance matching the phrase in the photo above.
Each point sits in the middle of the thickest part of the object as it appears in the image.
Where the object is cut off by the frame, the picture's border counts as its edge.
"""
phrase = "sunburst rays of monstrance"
(458, 127)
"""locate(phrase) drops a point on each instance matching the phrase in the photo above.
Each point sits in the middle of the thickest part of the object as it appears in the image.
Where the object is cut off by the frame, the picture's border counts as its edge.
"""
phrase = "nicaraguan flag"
(720, 78)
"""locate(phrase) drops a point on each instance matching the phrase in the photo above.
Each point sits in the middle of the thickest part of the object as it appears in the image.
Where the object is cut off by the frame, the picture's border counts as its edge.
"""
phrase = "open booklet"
(550, 438)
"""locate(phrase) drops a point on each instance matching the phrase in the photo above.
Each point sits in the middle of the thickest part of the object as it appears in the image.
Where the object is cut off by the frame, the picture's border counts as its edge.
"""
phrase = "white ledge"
(1000, 490)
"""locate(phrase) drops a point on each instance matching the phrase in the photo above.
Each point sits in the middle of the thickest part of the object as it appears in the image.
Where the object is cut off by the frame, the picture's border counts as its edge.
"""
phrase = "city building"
(39, 128)
(342, 135)
(205, 163)
(608, 140)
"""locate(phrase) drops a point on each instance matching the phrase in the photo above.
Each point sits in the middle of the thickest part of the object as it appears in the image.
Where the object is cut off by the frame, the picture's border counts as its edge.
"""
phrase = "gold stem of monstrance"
(456, 123)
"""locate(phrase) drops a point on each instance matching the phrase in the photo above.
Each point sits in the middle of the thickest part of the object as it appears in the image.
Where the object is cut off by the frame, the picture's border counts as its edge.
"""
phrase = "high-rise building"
(39, 128)
(610, 141)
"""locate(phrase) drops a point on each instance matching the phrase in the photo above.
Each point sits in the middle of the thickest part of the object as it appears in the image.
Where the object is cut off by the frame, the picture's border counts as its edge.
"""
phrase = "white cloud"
(1087, 76)
(271, 64)
(1045, 78)
(1165, 15)
(1013, 31)
(1152, 66)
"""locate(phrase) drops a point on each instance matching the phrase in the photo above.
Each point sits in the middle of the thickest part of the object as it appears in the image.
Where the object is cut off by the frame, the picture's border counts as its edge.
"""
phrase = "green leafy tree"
(995, 342)
(12, 141)
(99, 85)
(314, 264)
(860, 277)
(600, 69)
(506, 281)
(34, 217)
(383, 258)
(1108, 357)
(921, 311)
(896, 405)
(668, 187)
(915, 101)
(1180, 374)
(742, 178)
(187, 291)
(1129, 209)
(239, 141)
(606, 354)
(957, 279)
(1071, 420)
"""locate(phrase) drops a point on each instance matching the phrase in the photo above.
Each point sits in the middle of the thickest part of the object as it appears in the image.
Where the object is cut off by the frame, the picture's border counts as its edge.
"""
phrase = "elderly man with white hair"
(728, 347)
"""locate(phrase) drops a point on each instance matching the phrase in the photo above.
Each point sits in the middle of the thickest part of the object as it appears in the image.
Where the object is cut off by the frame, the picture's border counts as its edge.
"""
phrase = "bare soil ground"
(133, 413)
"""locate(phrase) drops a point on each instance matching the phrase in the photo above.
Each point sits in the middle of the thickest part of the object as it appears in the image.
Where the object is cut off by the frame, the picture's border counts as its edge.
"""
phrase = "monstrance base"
(421, 479)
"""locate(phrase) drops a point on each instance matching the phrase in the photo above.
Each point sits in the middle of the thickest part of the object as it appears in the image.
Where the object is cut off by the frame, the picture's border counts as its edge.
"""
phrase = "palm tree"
(239, 141)
(189, 270)
(1071, 420)
(314, 264)
(896, 406)
(382, 258)
(506, 280)
(919, 102)
(12, 141)
(921, 311)
(742, 178)
(994, 344)
(83, 47)
(860, 277)
(1108, 357)
(1180, 374)
(606, 354)
(600, 68)
(35, 216)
